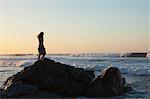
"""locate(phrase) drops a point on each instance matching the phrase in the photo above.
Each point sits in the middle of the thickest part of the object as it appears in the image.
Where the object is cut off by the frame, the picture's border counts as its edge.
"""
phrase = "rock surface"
(109, 83)
(48, 78)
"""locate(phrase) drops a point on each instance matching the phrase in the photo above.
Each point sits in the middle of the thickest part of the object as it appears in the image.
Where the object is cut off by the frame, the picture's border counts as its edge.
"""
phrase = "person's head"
(41, 34)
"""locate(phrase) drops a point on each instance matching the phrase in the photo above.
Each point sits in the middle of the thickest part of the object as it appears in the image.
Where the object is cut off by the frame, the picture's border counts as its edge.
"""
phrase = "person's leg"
(39, 57)
(43, 55)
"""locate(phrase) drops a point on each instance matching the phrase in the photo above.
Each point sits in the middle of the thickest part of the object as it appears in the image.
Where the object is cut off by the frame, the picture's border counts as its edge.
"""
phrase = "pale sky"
(75, 26)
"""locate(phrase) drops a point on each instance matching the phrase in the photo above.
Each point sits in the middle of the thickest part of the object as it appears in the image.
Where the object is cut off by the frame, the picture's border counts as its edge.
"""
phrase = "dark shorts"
(42, 50)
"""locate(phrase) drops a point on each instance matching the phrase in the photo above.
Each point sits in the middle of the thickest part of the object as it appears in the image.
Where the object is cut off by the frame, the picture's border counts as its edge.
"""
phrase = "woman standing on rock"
(41, 47)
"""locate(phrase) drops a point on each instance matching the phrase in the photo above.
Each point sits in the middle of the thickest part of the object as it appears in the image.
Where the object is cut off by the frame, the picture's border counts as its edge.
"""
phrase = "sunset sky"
(75, 26)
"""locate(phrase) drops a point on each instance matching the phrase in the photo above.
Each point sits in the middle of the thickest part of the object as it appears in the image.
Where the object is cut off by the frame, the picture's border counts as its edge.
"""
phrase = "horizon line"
(73, 53)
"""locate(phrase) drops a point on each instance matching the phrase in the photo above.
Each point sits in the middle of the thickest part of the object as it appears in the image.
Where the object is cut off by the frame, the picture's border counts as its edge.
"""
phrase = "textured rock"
(109, 83)
(46, 78)
(54, 77)
(19, 88)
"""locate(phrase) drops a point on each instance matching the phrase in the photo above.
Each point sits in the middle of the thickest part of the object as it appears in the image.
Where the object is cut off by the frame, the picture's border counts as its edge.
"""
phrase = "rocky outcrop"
(109, 83)
(48, 78)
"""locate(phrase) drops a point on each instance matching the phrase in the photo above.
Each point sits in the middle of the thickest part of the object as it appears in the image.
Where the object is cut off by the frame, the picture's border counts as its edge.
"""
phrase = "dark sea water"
(135, 70)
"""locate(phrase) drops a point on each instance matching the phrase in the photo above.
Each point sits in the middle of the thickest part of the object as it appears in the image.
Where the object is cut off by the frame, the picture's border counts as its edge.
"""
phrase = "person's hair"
(41, 34)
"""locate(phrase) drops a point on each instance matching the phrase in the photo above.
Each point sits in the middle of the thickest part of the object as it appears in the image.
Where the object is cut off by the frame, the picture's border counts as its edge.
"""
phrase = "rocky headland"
(47, 78)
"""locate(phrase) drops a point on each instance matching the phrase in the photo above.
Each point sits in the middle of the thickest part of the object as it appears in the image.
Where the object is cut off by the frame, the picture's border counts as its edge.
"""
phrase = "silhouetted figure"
(41, 47)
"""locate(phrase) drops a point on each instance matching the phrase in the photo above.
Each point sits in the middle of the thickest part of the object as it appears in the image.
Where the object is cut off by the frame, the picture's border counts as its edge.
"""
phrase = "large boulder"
(47, 78)
(53, 77)
(109, 83)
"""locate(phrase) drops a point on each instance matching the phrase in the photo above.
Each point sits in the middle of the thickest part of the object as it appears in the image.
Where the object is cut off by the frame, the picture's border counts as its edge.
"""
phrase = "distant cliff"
(134, 55)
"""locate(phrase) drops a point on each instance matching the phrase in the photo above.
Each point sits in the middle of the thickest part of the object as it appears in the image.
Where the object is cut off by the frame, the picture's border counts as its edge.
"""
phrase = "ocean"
(135, 70)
